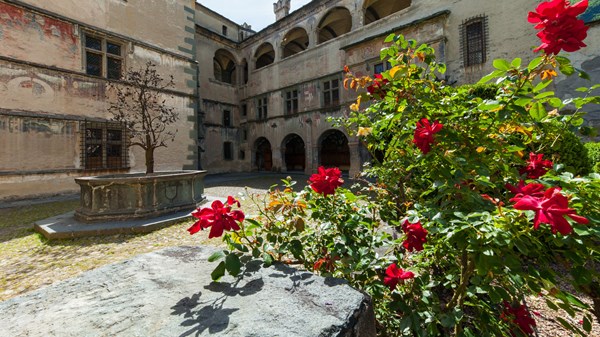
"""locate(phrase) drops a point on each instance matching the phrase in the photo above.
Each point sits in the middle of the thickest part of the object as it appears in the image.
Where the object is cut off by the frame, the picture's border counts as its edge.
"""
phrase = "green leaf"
(216, 256)
(587, 324)
(538, 112)
(577, 121)
(534, 63)
(233, 264)
(540, 86)
(514, 148)
(551, 305)
(390, 38)
(565, 66)
(267, 259)
(218, 272)
(516, 63)
(583, 75)
(501, 64)
(490, 76)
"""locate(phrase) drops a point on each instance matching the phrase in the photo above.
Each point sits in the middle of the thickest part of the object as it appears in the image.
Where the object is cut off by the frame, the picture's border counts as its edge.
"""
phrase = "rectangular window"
(104, 146)
(291, 102)
(331, 93)
(244, 110)
(224, 30)
(242, 155)
(261, 108)
(381, 67)
(228, 150)
(227, 118)
(474, 41)
(103, 58)
(244, 135)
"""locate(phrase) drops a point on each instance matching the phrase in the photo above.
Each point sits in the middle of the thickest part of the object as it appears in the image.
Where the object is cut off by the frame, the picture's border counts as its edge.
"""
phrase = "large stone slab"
(170, 293)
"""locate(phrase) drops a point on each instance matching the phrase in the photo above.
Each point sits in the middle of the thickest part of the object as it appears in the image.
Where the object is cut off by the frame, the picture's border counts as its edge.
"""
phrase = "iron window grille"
(474, 39)
(103, 146)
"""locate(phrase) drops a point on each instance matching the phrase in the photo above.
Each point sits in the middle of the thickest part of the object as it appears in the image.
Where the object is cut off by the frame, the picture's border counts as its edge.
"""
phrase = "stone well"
(138, 196)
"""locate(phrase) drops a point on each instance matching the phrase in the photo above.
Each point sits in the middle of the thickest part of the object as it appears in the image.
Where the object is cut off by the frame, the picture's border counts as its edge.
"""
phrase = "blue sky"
(258, 13)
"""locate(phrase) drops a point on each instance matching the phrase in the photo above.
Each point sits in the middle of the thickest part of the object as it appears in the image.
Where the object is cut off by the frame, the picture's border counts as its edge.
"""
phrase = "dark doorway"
(334, 150)
(294, 153)
(264, 156)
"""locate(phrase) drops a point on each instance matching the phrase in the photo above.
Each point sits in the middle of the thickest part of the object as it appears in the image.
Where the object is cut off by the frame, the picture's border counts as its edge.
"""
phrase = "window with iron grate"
(474, 41)
(104, 146)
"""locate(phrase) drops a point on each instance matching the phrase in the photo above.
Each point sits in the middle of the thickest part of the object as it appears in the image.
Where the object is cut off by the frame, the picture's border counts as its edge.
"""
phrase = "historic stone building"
(266, 101)
(248, 100)
(56, 59)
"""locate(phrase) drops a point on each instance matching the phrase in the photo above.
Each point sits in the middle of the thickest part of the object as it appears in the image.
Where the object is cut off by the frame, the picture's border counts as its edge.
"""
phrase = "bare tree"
(140, 106)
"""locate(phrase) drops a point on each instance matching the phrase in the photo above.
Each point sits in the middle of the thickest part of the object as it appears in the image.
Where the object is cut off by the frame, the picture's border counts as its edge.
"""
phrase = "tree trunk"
(149, 160)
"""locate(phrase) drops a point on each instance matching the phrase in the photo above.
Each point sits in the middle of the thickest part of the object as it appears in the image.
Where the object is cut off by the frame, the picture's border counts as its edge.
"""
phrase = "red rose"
(393, 275)
(521, 190)
(559, 27)
(519, 316)
(416, 236)
(536, 166)
(376, 87)
(424, 132)
(219, 216)
(550, 209)
(326, 180)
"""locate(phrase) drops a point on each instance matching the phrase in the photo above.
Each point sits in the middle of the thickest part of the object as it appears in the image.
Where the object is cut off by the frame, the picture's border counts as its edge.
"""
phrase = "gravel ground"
(30, 262)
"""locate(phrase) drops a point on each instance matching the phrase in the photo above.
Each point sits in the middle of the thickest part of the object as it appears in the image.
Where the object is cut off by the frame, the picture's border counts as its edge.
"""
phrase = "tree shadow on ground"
(214, 316)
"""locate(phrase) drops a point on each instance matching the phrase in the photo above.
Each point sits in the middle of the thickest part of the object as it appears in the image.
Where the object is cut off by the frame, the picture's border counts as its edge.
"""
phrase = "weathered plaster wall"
(157, 22)
(29, 36)
(45, 93)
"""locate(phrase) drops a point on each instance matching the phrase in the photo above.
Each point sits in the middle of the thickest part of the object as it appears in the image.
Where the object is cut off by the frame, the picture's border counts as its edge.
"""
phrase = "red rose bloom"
(550, 209)
(416, 236)
(219, 216)
(559, 27)
(393, 275)
(326, 180)
(376, 87)
(519, 316)
(424, 134)
(536, 166)
(535, 190)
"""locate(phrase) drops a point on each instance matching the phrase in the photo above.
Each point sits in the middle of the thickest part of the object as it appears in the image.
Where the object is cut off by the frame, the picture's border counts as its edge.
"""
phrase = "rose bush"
(463, 215)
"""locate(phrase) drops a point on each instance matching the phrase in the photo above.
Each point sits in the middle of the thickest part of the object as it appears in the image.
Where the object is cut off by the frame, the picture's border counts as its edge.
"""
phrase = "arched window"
(336, 22)
(378, 9)
(295, 41)
(265, 55)
(224, 66)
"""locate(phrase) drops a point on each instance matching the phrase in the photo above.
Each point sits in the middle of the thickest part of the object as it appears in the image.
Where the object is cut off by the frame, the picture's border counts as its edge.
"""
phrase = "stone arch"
(224, 66)
(378, 9)
(293, 152)
(336, 22)
(334, 150)
(295, 41)
(265, 55)
(263, 154)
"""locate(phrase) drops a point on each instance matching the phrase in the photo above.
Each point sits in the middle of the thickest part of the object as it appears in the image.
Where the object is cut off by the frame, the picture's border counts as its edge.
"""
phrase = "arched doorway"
(263, 159)
(295, 41)
(334, 150)
(294, 153)
(265, 55)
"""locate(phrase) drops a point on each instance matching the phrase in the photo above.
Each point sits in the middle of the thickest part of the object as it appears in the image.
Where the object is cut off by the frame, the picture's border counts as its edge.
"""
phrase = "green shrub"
(566, 148)
(593, 149)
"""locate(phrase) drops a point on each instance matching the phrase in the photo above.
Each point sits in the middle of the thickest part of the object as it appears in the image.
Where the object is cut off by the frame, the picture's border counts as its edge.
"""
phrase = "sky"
(257, 13)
